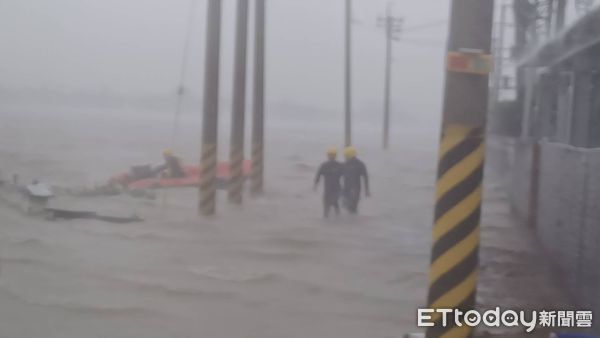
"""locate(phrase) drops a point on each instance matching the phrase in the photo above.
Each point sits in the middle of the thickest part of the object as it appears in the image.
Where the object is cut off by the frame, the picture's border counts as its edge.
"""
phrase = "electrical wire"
(183, 71)
(425, 25)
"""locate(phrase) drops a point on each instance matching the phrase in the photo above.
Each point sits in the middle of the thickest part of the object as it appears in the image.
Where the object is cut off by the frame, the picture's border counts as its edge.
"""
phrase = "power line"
(423, 43)
(183, 70)
(424, 25)
(432, 24)
(415, 42)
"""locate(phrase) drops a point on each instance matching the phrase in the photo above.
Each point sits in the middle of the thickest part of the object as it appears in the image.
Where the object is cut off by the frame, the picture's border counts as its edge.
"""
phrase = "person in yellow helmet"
(332, 171)
(349, 152)
(172, 167)
(354, 171)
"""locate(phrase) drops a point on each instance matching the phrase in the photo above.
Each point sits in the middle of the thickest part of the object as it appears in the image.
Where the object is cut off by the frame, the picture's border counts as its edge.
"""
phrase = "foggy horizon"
(134, 49)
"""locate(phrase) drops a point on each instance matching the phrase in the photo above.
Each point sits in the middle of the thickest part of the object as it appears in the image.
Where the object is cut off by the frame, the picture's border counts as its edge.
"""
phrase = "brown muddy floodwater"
(270, 269)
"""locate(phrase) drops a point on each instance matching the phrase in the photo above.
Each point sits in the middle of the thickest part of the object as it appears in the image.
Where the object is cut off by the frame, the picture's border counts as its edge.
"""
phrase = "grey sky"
(135, 46)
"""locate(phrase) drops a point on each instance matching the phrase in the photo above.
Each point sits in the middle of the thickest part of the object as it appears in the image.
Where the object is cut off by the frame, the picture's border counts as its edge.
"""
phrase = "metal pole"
(348, 72)
(388, 74)
(257, 173)
(499, 57)
(550, 19)
(560, 15)
(208, 158)
(455, 252)
(236, 155)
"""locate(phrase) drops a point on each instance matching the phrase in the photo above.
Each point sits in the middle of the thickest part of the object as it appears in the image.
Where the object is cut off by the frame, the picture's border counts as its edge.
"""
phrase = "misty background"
(131, 51)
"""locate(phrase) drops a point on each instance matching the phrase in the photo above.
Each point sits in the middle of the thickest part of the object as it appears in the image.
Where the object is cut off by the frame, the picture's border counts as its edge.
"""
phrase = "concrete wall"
(568, 214)
(512, 159)
(590, 263)
(561, 209)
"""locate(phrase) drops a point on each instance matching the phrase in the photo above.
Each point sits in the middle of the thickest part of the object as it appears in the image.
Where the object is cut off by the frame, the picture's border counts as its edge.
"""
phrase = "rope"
(180, 87)
(183, 71)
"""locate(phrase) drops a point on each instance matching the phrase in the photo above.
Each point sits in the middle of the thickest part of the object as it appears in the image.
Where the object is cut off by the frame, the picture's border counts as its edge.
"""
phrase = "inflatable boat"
(143, 177)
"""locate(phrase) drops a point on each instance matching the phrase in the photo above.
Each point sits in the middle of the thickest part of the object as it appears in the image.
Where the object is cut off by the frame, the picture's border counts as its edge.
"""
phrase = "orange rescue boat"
(137, 178)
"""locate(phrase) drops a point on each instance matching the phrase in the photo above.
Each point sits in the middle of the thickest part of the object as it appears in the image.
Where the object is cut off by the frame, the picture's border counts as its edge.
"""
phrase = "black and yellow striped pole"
(236, 153)
(208, 156)
(258, 114)
(454, 258)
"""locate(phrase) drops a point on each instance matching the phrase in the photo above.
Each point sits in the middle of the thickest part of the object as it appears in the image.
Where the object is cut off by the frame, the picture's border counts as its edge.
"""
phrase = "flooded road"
(270, 269)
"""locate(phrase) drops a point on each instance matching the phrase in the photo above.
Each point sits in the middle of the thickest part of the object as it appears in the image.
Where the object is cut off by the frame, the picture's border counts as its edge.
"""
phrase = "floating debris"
(55, 214)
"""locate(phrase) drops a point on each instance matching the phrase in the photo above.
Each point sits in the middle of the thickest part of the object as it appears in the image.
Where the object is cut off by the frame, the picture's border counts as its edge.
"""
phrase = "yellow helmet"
(350, 152)
(168, 152)
(332, 151)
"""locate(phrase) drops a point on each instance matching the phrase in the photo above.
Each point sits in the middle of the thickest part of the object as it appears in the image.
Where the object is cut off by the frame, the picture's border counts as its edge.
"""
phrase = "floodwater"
(272, 268)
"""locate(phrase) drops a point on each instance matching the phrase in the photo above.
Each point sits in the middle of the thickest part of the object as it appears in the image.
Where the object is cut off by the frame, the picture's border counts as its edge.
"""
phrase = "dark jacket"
(354, 169)
(332, 172)
(173, 166)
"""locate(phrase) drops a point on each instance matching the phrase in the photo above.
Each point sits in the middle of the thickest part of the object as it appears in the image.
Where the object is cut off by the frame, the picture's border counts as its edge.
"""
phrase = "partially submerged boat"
(144, 177)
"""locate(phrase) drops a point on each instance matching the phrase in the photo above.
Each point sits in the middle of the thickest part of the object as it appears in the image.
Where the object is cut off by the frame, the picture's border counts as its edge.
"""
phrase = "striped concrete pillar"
(208, 179)
(258, 137)
(208, 156)
(456, 230)
(236, 155)
(454, 257)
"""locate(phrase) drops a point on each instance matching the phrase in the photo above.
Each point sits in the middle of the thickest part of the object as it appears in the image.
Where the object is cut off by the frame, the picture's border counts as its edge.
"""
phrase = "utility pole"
(499, 55)
(236, 155)
(550, 16)
(560, 15)
(208, 158)
(348, 72)
(455, 251)
(257, 174)
(393, 27)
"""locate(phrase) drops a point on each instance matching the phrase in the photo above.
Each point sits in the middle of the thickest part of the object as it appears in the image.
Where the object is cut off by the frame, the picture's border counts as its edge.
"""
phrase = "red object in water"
(191, 178)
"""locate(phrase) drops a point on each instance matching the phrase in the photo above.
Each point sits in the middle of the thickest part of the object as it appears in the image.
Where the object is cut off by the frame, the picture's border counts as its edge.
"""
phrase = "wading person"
(354, 170)
(332, 172)
(172, 167)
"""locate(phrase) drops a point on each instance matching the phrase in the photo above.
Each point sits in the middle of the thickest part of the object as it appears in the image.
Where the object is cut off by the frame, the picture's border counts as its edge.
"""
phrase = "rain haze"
(135, 48)
(106, 175)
